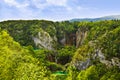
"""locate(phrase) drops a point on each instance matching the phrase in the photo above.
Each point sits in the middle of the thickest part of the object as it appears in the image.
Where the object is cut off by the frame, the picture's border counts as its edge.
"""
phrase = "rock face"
(80, 37)
(98, 54)
(44, 40)
(115, 62)
(81, 65)
(63, 40)
(68, 39)
(112, 62)
(75, 39)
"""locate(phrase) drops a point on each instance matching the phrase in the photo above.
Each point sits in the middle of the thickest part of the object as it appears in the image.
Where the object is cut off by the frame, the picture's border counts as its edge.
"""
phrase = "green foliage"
(65, 28)
(110, 43)
(112, 74)
(58, 77)
(54, 67)
(92, 73)
(22, 31)
(17, 63)
(83, 53)
(89, 74)
(72, 73)
(103, 35)
(28, 63)
(65, 54)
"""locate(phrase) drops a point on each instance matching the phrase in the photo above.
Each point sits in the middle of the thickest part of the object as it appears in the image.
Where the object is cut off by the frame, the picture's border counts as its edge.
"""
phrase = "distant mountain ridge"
(112, 17)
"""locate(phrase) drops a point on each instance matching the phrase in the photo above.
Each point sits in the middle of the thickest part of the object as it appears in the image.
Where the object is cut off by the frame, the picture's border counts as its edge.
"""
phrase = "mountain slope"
(113, 17)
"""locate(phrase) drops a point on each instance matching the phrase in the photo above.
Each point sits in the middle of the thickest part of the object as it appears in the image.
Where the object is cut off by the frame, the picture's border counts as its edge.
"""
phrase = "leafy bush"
(54, 67)
(65, 54)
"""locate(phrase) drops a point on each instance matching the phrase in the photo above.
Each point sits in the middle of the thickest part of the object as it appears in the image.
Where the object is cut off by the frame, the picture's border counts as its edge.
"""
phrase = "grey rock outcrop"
(80, 37)
(112, 62)
(81, 65)
(44, 40)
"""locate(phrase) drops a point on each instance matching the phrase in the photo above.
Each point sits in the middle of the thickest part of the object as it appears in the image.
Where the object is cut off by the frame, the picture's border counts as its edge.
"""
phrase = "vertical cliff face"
(44, 40)
(74, 39)
(80, 37)
(69, 39)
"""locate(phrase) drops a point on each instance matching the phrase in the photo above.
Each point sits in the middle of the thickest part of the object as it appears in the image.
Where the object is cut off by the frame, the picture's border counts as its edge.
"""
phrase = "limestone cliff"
(44, 40)
(75, 38)
(80, 37)
(68, 39)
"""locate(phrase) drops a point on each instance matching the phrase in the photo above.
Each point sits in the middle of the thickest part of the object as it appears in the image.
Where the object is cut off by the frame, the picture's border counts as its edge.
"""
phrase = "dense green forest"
(46, 50)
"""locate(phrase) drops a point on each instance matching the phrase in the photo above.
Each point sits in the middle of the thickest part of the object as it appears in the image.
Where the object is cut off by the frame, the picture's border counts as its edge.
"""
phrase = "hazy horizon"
(57, 10)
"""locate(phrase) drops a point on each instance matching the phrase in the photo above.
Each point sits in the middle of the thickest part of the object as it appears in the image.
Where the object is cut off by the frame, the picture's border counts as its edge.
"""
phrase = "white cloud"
(57, 2)
(15, 3)
(42, 4)
(46, 9)
(39, 4)
(79, 8)
(22, 9)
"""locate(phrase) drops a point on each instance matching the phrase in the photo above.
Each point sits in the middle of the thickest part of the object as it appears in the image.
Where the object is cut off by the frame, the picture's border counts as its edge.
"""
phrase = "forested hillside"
(46, 50)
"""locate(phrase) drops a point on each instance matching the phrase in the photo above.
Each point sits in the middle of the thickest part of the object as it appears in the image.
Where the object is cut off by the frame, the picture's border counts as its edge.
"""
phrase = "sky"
(57, 10)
